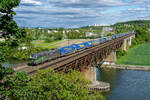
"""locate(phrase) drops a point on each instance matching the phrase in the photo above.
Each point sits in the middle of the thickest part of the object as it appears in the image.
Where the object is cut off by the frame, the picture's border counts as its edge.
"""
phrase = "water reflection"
(13, 63)
(8, 64)
(126, 84)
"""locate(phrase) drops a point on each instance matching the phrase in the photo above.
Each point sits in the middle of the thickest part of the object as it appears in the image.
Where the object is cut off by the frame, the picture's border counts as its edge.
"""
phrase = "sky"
(78, 13)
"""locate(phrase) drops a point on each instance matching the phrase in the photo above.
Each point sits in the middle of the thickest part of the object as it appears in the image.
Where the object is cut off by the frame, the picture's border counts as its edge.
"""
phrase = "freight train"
(44, 56)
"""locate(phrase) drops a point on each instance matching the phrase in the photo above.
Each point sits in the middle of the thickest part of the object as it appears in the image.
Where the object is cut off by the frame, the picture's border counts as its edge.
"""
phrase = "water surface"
(126, 84)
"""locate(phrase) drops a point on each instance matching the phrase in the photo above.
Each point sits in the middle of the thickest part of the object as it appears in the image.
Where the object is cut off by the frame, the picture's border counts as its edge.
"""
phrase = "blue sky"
(77, 13)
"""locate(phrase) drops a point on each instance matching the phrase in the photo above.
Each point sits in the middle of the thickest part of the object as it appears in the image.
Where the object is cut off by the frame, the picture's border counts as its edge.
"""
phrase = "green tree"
(10, 30)
(109, 34)
(15, 87)
(48, 85)
(4, 71)
(58, 35)
(121, 53)
(142, 35)
(7, 24)
(13, 35)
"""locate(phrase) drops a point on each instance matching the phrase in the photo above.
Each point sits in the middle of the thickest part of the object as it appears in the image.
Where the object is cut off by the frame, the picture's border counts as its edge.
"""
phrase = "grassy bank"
(139, 55)
(40, 43)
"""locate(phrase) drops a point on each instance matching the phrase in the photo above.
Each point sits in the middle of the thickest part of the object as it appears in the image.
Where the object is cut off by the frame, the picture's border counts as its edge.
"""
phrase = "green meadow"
(41, 43)
(139, 55)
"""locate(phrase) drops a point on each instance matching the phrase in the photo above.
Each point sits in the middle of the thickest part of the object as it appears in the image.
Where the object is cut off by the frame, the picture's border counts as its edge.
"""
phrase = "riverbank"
(127, 67)
(138, 55)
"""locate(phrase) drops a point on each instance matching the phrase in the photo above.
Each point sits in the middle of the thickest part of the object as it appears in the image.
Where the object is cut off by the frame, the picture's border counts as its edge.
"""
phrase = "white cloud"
(66, 13)
(148, 6)
(136, 10)
(33, 2)
(86, 3)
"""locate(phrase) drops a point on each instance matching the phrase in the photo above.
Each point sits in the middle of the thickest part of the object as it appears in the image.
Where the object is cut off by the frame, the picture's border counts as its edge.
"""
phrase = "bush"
(109, 34)
(58, 36)
(121, 53)
(142, 35)
(47, 40)
(48, 85)
(25, 54)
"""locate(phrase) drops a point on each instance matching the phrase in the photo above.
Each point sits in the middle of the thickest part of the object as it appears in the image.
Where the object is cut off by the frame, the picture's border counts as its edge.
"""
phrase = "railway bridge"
(85, 58)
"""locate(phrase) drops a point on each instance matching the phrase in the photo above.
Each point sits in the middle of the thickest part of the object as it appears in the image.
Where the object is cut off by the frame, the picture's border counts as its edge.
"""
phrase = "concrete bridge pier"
(90, 74)
(130, 41)
(127, 42)
(124, 46)
(111, 59)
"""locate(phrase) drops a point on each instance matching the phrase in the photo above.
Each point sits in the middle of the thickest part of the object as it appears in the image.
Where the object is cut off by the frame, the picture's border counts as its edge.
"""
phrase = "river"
(126, 84)
(13, 63)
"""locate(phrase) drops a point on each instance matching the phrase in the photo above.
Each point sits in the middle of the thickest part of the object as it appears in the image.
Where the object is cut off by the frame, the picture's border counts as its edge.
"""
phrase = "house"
(77, 31)
(106, 30)
(22, 48)
(49, 31)
(63, 31)
(90, 34)
(68, 31)
(110, 29)
(55, 31)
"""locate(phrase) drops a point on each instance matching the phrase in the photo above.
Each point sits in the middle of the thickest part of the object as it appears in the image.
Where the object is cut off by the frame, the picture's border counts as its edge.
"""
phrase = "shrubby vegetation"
(131, 25)
(24, 54)
(143, 35)
(47, 85)
(121, 53)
